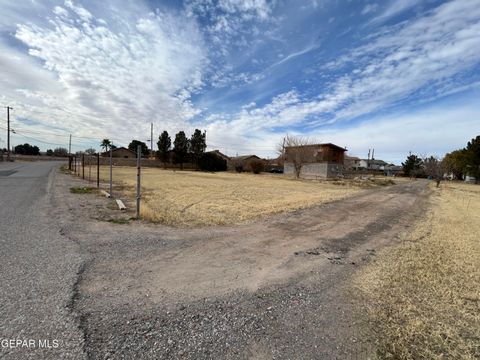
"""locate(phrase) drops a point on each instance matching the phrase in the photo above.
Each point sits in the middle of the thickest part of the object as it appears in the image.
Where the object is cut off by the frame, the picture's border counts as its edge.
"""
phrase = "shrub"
(212, 162)
(257, 166)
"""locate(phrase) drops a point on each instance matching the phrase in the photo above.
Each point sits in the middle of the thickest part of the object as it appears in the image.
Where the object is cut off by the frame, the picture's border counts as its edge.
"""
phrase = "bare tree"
(434, 168)
(295, 150)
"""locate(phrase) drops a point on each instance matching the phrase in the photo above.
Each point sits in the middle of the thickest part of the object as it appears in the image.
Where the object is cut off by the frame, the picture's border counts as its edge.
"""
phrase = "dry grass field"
(199, 198)
(424, 294)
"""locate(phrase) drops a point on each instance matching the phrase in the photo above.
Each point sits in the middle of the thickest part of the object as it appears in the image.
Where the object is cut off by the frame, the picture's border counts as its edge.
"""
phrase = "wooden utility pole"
(139, 156)
(111, 171)
(151, 140)
(8, 131)
(98, 170)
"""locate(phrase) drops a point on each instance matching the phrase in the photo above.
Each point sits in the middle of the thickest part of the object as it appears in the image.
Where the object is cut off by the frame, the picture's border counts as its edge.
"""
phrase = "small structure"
(371, 164)
(392, 170)
(242, 163)
(121, 152)
(352, 163)
(319, 161)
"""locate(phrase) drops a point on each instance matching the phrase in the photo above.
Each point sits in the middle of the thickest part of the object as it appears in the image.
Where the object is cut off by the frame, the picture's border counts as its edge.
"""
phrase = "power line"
(39, 140)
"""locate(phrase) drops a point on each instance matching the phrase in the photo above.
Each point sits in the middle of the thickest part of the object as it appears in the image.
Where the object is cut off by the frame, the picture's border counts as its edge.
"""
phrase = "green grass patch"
(81, 190)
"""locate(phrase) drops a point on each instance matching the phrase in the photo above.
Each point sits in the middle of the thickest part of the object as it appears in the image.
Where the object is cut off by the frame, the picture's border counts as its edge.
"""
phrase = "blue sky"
(397, 76)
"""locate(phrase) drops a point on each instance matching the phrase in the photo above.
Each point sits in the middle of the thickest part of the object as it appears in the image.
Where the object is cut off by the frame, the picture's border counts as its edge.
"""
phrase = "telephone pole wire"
(8, 132)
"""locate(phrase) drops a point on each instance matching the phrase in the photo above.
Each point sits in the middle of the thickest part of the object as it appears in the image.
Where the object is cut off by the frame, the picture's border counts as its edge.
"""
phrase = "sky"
(397, 76)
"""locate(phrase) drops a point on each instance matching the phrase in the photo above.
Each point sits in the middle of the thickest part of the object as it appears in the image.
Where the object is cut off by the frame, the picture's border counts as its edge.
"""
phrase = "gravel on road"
(278, 288)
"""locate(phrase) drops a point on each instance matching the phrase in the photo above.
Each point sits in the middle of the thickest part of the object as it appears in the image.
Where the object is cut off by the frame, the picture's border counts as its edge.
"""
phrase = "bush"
(212, 162)
(257, 166)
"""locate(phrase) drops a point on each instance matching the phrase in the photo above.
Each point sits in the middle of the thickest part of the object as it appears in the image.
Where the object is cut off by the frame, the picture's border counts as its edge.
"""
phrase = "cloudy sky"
(397, 76)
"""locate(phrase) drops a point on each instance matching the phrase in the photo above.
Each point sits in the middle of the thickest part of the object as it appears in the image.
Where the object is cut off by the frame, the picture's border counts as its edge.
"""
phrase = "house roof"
(219, 154)
(336, 147)
(120, 148)
(244, 157)
(123, 148)
(378, 162)
(352, 158)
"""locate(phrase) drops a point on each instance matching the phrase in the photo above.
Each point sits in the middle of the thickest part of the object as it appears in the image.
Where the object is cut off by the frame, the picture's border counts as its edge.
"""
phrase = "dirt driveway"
(276, 288)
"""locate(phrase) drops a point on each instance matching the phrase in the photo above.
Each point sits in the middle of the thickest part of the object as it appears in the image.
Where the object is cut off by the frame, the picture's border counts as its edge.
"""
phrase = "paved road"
(38, 269)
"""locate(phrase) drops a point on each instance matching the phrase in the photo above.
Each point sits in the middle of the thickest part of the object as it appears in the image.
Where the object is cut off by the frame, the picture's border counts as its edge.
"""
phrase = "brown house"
(242, 163)
(121, 152)
(319, 161)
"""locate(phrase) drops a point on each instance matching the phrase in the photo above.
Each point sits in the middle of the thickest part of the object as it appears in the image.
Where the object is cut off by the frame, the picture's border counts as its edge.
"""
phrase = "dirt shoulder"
(277, 288)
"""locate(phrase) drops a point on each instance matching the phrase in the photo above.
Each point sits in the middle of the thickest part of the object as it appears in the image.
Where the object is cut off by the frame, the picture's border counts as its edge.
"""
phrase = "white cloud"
(394, 8)
(369, 8)
(259, 8)
(114, 82)
(428, 56)
(428, 132)
(231, 27)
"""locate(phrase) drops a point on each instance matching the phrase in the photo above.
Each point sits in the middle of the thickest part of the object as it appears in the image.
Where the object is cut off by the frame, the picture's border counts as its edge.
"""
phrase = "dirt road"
(276, 288)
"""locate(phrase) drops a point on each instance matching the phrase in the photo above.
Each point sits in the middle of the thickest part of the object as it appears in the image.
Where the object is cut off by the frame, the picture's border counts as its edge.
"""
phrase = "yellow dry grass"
(424, 295)
(199, 198)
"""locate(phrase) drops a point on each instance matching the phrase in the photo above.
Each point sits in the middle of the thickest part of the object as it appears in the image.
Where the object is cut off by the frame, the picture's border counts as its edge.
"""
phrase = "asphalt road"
(38, 269)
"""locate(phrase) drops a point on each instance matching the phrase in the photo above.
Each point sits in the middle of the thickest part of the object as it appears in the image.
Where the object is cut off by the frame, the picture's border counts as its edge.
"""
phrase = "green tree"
(164, 144)
(197, 145)
(472, 158)
(106, 144)
(144, 148)
(181, 147)
(455, 163)
(27, 149)
(49, 152)
(90, 151)
(412, 165)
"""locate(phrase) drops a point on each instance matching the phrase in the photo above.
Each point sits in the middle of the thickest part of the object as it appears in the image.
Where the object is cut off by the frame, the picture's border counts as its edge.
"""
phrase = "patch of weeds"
(121, 221)
(81, 190)
(383, 182)
(64, 169)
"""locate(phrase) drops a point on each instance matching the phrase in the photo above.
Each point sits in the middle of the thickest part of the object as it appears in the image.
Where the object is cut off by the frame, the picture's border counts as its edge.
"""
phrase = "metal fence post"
(111, 194)
(98, 170)
(139, 155)
(83, 166)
